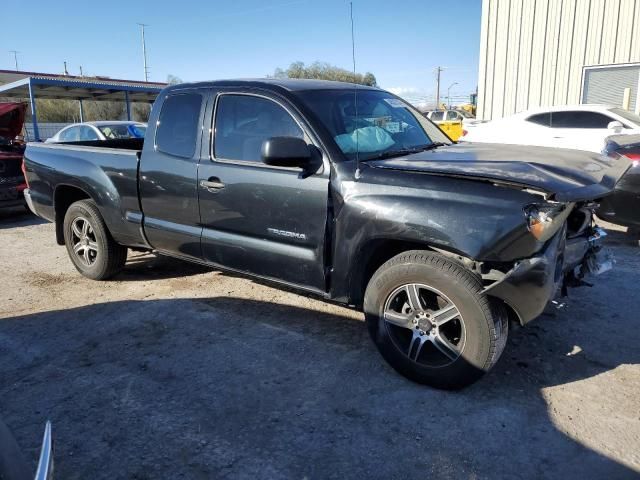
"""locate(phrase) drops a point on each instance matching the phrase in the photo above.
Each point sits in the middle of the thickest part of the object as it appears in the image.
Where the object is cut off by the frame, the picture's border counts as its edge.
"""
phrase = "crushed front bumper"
(532, 283)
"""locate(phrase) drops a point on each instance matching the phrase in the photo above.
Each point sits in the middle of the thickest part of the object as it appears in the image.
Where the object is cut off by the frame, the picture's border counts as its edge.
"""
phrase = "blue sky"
(400, 41)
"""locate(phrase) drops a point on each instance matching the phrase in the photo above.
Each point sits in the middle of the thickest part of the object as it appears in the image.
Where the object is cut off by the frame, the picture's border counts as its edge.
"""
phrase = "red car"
(12, 181)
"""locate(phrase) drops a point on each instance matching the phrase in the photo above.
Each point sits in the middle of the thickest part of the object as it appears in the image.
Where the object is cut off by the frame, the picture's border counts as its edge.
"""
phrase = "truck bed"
(106, 171)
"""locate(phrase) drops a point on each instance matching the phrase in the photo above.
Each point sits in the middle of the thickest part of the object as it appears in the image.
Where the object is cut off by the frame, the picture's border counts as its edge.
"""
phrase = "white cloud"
(403, 90)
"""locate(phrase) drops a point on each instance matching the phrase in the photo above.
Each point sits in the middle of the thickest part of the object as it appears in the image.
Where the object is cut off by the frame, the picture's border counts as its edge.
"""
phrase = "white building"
(558, 52)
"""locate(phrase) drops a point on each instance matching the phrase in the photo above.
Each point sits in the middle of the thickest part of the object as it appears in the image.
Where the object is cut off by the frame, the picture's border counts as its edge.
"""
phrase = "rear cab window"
(451, 115)
(177, 127)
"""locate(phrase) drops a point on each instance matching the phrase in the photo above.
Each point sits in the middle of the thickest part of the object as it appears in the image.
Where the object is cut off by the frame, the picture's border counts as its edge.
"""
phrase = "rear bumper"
(27, 199)
(534, 282)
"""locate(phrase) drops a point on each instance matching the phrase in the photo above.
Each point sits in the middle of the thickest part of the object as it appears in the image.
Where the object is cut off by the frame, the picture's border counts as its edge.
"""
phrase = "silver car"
(102, 130)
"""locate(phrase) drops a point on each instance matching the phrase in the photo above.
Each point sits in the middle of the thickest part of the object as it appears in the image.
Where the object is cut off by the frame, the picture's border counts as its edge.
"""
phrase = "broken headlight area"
(545, 219)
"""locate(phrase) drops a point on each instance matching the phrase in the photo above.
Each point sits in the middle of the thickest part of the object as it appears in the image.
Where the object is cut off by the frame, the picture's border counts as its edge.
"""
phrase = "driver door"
(260, 219)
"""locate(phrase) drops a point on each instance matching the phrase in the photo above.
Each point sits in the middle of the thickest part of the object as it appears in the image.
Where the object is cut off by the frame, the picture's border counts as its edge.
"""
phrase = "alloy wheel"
(425, 325)
(83, 239)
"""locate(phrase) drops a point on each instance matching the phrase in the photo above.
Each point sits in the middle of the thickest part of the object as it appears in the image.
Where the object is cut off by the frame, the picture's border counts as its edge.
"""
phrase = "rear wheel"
(430, 320)
(93, 251)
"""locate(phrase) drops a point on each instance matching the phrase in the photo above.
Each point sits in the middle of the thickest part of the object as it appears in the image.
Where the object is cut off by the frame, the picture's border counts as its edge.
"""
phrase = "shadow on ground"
(18, 217)
(146, 266)
(206, 388)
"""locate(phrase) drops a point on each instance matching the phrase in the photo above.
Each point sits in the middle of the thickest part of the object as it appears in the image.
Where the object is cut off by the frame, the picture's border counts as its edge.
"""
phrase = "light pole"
(448, 96)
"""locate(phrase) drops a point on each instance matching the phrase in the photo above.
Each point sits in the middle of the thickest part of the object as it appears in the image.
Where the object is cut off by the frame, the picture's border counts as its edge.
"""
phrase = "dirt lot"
(177, 371)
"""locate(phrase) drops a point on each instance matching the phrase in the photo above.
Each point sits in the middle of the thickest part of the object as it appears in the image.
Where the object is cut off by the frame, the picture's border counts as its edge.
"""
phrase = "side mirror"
(616, 126)
(286, 152)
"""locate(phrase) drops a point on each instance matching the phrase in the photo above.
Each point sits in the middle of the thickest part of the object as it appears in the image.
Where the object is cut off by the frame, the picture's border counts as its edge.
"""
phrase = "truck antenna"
(355, 91)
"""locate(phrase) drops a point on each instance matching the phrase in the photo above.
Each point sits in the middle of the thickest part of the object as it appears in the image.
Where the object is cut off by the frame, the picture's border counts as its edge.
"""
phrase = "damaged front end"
(573, 249)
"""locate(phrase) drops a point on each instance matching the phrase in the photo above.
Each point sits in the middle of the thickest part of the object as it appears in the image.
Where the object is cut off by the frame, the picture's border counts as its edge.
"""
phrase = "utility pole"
(438, 72)
(449, 94)
(15, 58)
(144, 53)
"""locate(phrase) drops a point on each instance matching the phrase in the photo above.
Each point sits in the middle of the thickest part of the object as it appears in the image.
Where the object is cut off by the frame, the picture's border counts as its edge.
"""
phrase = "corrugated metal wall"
(532, 52)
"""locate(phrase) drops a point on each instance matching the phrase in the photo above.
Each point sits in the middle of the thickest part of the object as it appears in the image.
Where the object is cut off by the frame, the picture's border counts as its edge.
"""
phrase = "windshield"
(381, 123)
(627, 115)
(122, 131)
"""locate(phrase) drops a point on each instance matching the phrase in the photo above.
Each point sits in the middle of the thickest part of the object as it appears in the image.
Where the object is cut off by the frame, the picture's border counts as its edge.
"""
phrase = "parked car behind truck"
(580, 127)
(373, 207)
(100, 130)
(623, 205)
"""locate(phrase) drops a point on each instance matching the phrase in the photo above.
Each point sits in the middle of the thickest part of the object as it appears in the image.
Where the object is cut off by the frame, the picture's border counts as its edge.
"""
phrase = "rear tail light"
(24, 172)
(464, 132)
(634, 157)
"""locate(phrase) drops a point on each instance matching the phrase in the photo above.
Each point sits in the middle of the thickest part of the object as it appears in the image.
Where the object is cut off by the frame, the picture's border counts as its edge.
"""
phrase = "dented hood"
(564, 175)
(11, 119)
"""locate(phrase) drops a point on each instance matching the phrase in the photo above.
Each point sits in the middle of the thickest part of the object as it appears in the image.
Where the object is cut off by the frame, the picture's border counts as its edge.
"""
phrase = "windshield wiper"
(404, 151)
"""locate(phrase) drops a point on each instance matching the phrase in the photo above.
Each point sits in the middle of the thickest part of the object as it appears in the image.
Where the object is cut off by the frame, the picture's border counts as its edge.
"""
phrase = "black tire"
(480, 328)
(103, 257)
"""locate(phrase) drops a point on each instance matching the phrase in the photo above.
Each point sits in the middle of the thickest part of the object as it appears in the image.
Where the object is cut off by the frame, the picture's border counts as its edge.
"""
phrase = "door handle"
(212, 184)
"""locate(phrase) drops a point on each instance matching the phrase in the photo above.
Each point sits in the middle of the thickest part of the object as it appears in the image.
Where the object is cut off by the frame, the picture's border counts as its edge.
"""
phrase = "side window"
(87, 133)
(244, 122)
(70, 135)
(579, 119)
(543, 119)
(436, 116)
(177, 129)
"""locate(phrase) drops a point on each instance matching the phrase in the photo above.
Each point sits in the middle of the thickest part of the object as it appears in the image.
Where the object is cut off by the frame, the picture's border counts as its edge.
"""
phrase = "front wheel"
(430, 320)
(93, 251)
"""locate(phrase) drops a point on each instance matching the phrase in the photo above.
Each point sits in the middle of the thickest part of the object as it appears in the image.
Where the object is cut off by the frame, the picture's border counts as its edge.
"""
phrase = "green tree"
(325, 71)
(173, 80)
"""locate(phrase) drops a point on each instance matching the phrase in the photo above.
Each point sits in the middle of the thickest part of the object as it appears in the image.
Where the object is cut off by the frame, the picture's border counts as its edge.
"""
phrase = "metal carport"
(60, 88)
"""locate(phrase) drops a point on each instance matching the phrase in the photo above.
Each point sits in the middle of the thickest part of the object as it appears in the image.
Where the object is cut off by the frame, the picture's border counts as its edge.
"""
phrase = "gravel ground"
(177, 371)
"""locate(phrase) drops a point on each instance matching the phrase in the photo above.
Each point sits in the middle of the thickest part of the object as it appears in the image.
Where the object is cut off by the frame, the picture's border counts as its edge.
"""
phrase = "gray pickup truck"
(344, 192)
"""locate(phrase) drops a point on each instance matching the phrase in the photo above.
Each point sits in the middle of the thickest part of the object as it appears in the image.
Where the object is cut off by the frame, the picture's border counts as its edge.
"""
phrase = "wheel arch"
(376, 252)
(63, 197)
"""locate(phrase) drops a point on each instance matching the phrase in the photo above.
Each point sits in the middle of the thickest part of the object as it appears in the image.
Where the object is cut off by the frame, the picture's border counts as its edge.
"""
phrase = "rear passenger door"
(260, 219)
(168, 175)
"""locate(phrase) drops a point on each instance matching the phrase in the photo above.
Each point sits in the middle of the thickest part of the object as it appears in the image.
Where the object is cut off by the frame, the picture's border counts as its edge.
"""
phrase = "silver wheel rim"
(84, 242)
(425, 325)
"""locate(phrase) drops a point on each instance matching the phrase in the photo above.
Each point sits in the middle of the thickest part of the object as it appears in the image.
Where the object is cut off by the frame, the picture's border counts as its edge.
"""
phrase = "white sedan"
(578, 127)
(101, 130)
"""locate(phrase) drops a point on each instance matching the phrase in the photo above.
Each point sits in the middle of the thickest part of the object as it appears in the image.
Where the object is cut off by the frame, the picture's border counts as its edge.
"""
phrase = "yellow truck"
(449, 121)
